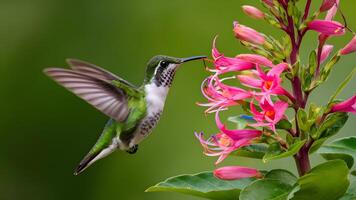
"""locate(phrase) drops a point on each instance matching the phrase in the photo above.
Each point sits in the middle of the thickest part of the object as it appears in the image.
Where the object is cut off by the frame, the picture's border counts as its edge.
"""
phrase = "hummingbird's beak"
(183, 60)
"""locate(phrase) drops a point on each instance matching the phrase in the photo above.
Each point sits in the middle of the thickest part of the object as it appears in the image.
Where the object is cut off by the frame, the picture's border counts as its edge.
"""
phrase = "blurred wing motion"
(93, 84)
(95, 71)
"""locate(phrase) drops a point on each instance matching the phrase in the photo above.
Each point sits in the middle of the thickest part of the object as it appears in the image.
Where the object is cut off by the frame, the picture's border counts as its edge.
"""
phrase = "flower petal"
(257, 59)
(350, 47)
(249, 81)
(280, 108)
(248, 34)
(236, 172)
(253, 12)
(278, 69)
(327, 27)
(325, 52)
(237, 134)
(348, 105)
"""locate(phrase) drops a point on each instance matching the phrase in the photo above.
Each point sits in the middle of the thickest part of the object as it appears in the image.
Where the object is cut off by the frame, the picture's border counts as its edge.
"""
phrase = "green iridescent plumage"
(133, 111)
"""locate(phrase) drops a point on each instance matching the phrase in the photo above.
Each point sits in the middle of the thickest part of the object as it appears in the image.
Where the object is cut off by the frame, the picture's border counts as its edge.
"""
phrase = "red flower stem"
(302, 157)
(306, 10)
(302, 160)
(320, 49)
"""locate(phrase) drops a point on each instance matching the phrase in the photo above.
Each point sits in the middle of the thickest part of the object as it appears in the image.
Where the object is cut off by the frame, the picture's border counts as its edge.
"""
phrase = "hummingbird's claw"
(133, 149)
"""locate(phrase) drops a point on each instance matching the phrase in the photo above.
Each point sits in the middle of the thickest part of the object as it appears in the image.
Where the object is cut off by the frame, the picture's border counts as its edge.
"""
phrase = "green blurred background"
(45, 130)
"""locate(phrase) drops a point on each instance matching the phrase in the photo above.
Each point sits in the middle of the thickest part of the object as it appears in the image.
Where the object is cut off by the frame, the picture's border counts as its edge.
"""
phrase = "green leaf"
(312, 62)
(251, 151)
(316, 145)
(327, 181)
(351, 192)
(328, 67)
(302, 118)
(282, 175)
(333, 123)
(203, 185)
(266, 189)
(242, 121)
(284, 124)
(344, 149)
(343, 85)
(275, 151)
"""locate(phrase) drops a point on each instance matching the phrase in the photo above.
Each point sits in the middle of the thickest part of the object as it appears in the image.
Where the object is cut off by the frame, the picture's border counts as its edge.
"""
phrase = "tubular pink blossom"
(269, 84)
(253, 12)
(325, 52)
(247, 134)
(256, 59)
(326, 5)
(349, 48)
(348, 105)
(278, 69)
(326, 27)
(250, 81)
(332, 12)
(225, 64)
(270, 114)
(329, 17)
(248, 34)
(236, 172)
(220, 145)
(219, 95)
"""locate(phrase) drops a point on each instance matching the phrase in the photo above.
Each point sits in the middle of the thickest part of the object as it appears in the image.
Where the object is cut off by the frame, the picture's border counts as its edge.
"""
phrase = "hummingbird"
(133, 111)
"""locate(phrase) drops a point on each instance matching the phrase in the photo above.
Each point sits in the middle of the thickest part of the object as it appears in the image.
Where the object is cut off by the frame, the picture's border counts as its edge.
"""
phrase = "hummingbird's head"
(161, 69)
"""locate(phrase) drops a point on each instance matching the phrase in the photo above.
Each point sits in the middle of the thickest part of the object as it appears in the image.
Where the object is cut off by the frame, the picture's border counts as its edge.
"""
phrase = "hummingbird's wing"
(100, 93)
(95, 71)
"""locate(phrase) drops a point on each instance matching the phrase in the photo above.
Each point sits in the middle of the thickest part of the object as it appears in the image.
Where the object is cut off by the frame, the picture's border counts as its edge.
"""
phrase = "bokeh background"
(45, 130)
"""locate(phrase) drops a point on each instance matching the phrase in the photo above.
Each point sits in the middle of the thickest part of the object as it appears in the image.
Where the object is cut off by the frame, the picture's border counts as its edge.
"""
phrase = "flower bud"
(349, 48)
(326, 5)
(268, 2)
(248, 34)
(325, 52)
(348, 105)
(327, 27)
(253, 12)
(236, 172)
(332, 11)
(257, 59)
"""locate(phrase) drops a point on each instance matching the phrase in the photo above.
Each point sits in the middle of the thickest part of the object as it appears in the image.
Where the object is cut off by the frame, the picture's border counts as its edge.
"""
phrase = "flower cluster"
(255, 81)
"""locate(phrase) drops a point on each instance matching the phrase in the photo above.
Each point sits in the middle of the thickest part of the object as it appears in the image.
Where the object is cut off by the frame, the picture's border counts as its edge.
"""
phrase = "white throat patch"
(155, 98)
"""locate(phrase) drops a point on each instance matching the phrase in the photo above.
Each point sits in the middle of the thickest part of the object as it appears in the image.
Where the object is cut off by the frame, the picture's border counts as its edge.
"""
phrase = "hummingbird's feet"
(133, 149)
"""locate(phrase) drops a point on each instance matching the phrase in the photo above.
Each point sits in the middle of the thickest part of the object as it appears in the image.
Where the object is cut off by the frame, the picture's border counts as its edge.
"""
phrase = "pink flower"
(219, 95)
(325, 52)
(220, 145)
(244, 134)
(269, 84)
(270, 114)
(349, 48)
(256, 59)
(236, 172)
(248, 34)
(326, 5)
(253, 12)
(332, 12)
(329, 17)
(348, 105)
(327, 27)
(225, 64)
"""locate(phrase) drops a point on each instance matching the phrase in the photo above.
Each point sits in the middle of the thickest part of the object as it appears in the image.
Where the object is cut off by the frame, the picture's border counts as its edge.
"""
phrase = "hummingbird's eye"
(164, 63)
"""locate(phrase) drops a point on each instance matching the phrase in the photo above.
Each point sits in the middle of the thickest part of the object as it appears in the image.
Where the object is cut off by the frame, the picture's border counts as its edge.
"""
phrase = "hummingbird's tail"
(103, 147)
